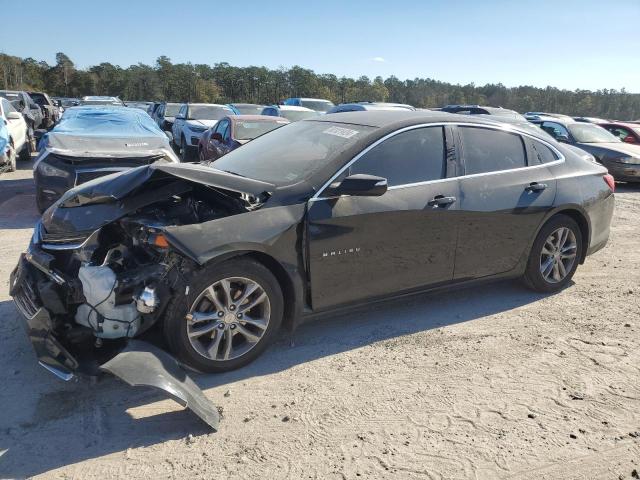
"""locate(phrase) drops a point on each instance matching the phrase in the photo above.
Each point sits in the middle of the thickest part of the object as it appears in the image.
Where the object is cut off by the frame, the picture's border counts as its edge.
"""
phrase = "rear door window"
(486, 150)
(540, 153)
(409, 157)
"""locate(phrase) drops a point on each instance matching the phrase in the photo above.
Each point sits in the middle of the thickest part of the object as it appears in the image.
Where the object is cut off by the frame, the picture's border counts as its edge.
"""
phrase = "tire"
(185, 152)
(196, 351)
(11, 159)
(552, 263)
(25, 153)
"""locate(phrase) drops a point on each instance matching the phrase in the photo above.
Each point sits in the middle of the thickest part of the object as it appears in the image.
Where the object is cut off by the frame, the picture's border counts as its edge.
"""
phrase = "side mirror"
(358, 185)
(216, 136)
(563, 138)
(14, 115)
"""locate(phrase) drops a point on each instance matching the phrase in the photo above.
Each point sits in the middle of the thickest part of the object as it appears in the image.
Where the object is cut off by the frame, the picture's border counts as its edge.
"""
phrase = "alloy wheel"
(558, 255)
(228, 318)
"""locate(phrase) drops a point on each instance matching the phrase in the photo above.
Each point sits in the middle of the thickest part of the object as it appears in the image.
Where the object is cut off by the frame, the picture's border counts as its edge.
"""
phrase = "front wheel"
(555, 255)
(228, 318)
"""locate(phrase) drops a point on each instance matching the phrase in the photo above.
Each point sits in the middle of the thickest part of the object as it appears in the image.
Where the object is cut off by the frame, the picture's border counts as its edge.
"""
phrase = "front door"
(366, 247)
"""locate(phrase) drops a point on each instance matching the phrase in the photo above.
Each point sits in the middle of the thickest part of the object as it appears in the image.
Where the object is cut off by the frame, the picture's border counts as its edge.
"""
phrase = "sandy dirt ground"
(493, 382)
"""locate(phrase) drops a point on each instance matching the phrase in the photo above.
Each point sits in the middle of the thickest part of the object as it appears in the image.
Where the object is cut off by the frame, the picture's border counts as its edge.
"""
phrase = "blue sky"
(565, 43)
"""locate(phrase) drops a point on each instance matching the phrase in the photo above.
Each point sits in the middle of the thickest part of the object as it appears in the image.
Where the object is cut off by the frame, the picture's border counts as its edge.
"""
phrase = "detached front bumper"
(137, 363)
(38, 323)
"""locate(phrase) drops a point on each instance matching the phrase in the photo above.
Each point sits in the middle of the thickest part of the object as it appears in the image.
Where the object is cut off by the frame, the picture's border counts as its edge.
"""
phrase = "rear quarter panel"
(581, 187)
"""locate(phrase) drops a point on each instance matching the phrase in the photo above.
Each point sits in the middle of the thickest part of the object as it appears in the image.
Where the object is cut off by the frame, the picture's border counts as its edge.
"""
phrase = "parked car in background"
(7, 152)
(94, 141)
(535, 117)
(482, 110)
(317, 104)
(318, 215)
(621, 159)
(50, 111)
(233, 131)
(291, 113)
(101, 100)
(138, 104)
(165, 114)
(13, 136)
(247, 108)
(65, 102)
(364, 106)
(595, 120)
(191, 121)
(30, 110)
(625, 131)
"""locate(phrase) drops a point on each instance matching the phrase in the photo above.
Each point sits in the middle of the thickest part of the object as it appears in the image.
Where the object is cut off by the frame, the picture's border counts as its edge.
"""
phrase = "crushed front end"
(100, 271)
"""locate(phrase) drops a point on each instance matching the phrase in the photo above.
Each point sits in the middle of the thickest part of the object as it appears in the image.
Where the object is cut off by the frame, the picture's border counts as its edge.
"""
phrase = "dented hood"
(106, 199)
(118, 186)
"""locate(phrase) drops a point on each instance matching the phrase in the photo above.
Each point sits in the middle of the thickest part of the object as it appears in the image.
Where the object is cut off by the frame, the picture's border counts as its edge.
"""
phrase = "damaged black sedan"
(320, 214)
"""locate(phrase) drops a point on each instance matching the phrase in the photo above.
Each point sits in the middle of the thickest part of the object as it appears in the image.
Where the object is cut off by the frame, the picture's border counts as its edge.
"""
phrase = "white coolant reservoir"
(98, 285)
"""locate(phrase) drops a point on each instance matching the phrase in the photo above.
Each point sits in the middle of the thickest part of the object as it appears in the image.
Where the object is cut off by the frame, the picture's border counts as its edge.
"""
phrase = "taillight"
(608, 179)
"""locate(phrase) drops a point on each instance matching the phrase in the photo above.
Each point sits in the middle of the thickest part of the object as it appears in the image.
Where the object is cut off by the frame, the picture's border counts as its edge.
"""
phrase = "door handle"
(441, 201)
(535, 187)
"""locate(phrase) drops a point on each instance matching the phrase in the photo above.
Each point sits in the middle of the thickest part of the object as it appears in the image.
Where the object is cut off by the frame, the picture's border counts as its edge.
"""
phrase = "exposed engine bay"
(121, 277)
(100, 270)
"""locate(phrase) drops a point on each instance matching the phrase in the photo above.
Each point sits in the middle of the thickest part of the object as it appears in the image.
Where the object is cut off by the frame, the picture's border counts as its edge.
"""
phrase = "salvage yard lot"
(489, 382)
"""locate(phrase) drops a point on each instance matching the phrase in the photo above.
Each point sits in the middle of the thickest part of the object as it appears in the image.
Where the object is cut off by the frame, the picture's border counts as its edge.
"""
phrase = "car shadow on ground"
(91, 420)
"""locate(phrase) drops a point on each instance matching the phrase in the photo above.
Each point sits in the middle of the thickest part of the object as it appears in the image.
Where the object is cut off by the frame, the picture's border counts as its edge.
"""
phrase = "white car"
(17, 129)
(192, 120)
(290, 112)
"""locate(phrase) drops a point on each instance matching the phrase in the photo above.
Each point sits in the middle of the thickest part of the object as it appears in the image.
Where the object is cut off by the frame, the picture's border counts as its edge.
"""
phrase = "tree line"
(224, 83)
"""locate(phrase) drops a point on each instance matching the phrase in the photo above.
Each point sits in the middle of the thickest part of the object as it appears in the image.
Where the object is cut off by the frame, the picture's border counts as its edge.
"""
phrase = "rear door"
(365, 247)
(506, 190)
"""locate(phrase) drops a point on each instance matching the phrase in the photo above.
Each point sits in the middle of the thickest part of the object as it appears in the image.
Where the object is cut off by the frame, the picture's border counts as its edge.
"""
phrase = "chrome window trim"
(506, 128)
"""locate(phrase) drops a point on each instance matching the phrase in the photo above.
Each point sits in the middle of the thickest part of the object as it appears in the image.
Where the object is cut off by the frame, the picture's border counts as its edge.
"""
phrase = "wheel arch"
(578, 214)
(291, 289)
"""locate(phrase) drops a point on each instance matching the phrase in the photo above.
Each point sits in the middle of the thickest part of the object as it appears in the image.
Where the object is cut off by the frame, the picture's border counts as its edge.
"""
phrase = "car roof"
(246, 104)
(257, 118)
(399, 118)
(293, 108)
(207, 104)
(622, 124)
(314, 99)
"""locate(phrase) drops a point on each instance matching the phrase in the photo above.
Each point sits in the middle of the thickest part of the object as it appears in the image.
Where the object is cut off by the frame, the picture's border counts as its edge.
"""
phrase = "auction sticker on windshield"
(341, 132)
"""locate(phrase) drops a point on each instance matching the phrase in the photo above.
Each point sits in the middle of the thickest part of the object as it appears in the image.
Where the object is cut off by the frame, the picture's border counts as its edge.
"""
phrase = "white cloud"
(378, 59)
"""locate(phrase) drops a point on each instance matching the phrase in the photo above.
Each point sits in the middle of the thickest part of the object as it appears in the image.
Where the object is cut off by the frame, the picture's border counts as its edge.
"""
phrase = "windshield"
(589, 133)
(39, 98)
(317, 105)
(208, 112)
(296, 115)
(171, 110)
(291, 153)
(248, 130)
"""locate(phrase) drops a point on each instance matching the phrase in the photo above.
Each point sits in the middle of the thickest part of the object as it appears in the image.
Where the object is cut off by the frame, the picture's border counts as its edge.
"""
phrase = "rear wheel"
(555, 255)
(229, 317)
